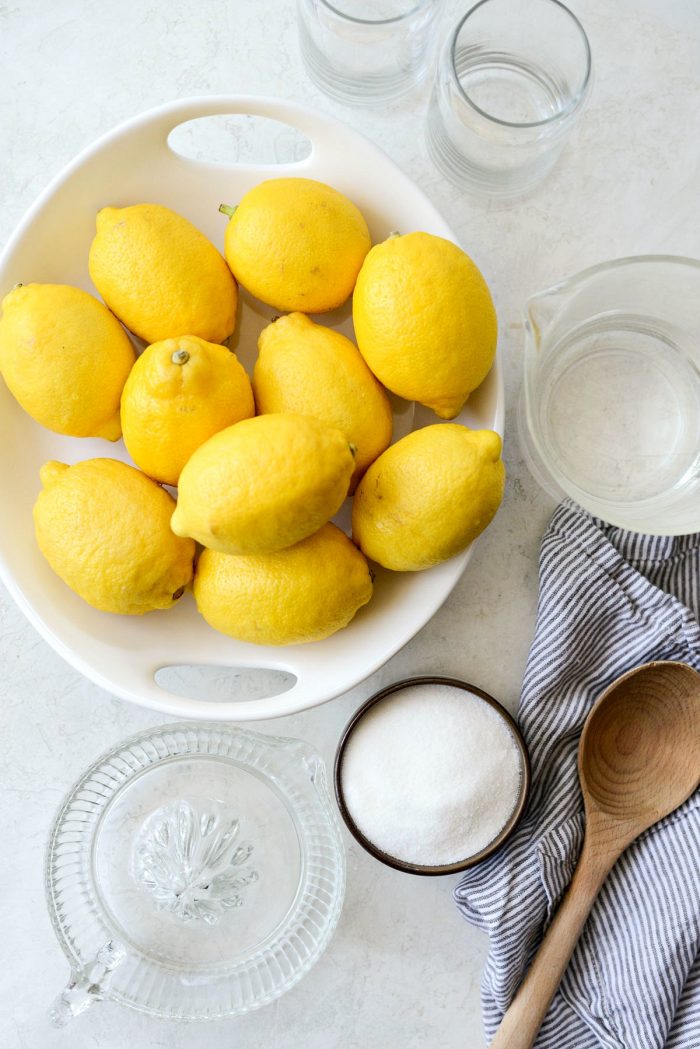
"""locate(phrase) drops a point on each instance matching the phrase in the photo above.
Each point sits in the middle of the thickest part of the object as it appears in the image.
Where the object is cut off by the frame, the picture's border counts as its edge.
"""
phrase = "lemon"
(263, 484)
(179, 393)
(428, 496)
(65, 358)
(296, 244)
(306, 368)
(105, 530)
(303, 593)
(161, 276)
(424, 321)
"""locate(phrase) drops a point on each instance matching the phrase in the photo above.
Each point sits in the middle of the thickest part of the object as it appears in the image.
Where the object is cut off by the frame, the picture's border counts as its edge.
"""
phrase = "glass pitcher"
(610, 407)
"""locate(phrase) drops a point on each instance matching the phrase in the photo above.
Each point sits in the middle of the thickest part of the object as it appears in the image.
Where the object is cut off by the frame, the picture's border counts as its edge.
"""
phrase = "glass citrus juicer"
(194, 872)
(610, 406)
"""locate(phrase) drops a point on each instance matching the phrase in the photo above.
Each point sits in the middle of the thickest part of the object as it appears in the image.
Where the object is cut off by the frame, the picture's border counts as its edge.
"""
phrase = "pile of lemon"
(260, 466)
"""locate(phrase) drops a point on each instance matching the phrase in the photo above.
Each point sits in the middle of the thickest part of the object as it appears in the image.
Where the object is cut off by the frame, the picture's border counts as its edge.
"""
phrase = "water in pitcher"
(621, 407)
(611, 408)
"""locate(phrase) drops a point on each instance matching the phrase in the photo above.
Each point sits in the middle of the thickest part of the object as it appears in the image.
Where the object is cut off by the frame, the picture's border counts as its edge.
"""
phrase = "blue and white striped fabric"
(609, 600)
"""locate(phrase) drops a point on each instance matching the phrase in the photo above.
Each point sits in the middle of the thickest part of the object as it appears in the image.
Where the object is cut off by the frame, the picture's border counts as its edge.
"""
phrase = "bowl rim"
(431, 870)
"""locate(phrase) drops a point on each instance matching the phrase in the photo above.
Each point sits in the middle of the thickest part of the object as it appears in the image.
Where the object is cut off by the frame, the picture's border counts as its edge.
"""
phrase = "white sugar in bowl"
(432, 775)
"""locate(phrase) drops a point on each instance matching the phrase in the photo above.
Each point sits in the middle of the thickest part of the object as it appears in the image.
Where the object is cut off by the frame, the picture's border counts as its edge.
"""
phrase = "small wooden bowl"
(448, 868)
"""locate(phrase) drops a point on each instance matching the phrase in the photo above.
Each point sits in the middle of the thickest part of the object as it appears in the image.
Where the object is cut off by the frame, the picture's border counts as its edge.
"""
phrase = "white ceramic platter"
(135, 164)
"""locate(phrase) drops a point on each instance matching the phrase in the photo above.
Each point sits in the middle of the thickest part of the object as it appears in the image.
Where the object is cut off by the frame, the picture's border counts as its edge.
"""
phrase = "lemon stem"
(227, 209)
(394, 233)
(180, 357)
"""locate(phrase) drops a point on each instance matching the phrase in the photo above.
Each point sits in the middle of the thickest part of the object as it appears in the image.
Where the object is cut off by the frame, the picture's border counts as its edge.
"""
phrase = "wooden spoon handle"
(524, 1018)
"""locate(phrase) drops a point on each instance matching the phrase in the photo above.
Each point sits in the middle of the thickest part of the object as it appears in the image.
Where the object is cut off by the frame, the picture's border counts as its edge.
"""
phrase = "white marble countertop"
(403, 969)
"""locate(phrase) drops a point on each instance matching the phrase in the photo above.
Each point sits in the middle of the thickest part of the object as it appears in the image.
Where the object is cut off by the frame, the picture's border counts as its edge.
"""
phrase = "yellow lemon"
(424, 320)
(306, 368)
(179, 393)
(161, 276)
(65, 358)
(105, 530)
(296, 244)
(263, 484)
(303, 593)
(428, 496)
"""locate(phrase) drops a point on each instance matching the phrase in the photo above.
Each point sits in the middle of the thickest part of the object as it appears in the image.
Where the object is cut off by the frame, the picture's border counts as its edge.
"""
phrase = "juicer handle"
(87, 985)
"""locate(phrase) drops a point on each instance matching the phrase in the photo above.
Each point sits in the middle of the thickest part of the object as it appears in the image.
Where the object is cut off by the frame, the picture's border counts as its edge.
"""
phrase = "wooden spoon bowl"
(639, 755)
(639, 759)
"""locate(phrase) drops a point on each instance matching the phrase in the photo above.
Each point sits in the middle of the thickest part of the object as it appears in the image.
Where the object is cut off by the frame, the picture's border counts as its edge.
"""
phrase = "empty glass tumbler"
(510, 84)
(363, 52)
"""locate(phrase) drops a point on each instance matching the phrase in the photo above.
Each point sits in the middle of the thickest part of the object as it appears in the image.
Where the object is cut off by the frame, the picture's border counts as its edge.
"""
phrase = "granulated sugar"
(431, 774)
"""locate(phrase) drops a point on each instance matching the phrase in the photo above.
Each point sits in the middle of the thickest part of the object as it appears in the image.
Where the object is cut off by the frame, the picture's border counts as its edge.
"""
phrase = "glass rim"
(375, 21)
(571, 106)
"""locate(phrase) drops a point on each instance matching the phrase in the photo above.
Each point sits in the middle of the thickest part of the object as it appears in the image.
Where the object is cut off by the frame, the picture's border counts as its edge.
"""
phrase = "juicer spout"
(87, 985)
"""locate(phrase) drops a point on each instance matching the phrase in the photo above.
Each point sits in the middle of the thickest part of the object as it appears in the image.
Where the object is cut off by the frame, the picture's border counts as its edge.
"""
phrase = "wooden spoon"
(638, 760)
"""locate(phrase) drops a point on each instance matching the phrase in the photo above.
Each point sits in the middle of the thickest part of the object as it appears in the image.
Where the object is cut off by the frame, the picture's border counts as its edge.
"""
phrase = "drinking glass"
(363, 52)
(510, 84)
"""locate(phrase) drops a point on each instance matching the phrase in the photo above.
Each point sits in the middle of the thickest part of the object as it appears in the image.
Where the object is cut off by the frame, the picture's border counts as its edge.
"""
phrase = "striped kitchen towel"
(609, 600)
